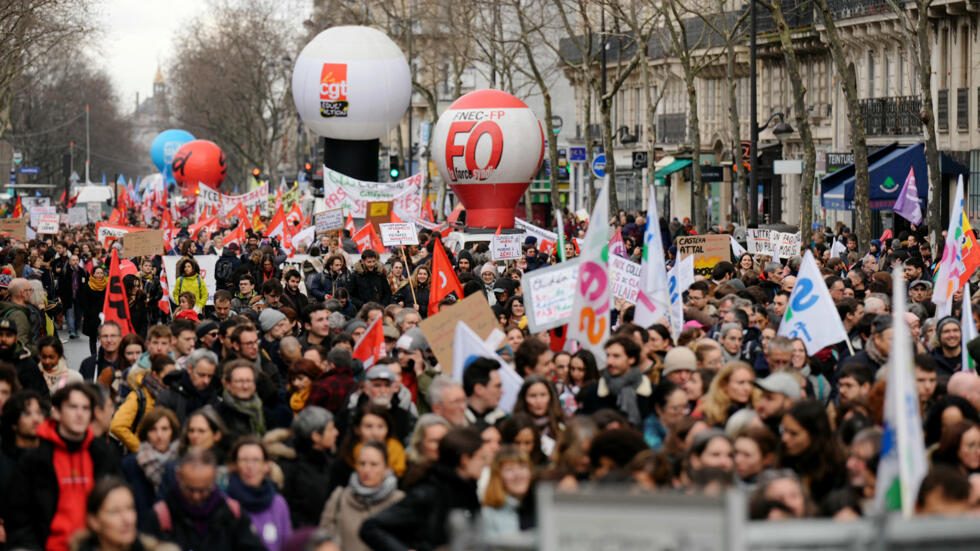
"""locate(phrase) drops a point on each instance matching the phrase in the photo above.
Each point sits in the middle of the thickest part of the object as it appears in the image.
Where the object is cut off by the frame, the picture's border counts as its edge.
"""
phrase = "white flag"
(811, 314)
(969, 330)
(679, 278)
(467, 346)
(837, 249)
(590, 308)
(737, 249)
(903, 462)
(652, 302)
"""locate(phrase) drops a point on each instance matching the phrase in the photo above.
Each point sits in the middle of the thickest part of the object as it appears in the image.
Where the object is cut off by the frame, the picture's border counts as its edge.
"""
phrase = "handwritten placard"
(440, 329)
(77, 216)
(549, 294)
(48, 223)
(14, 227)
(707, 251)
(398, 234)
(624, 277)
(329, 220)
(506, 246)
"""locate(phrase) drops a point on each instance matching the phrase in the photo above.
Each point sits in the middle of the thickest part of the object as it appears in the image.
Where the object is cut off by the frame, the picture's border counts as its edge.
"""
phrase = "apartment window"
(944, 59)
(964, 56)
(900, 80)
(871, 75)
(888, 75)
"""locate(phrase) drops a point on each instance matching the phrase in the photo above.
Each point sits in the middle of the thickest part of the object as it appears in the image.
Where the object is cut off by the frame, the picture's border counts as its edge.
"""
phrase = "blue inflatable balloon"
(165, 146)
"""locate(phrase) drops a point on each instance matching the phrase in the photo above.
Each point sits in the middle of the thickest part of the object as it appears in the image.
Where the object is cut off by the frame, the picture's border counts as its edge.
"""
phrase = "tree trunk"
(549, 130)
(589, 148)
(605, 110)
(928, 117)
(848, 77)
(701, 191)
(741, 182)
(802, 119)
(650, 131)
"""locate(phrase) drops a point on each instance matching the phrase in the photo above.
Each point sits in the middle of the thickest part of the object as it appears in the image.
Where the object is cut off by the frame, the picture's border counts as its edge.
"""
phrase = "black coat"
(596, 395)
(226, 531)
(91, 303)
(404, 296)
(183, 398)
(370, 286)
(28, 373)
(34, 489)
(65, 288)
(144, 494)
(420, 521)
(93, 365)
(307, 484)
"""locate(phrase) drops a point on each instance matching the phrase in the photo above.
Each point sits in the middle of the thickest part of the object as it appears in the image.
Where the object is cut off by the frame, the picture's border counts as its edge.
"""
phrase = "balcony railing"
(962, 108)
(942, 110)
(846, 9)
(894, 116)
(672, 128)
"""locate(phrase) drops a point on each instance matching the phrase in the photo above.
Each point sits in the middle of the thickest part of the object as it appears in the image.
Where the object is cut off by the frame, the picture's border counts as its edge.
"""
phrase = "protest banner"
(48, 223)
(762, 241)
(789, 245)
(624, 277)
(707, 251)
(351, 195)
(205, 261)
(31, 203)
(548, 295)
(398, 234)
(327, 220)
(378, 212)
(208, 197)
(142, 243)
(15, 227)
(77, 216)
(94, 211)
(105, 232)
(36, 213)
(440, 329)
(541, 234)
(506, 246)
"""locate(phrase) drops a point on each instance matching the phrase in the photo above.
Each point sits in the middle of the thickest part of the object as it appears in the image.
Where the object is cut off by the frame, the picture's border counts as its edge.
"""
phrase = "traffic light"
(394, 167)
(256, 172)
(308, 169)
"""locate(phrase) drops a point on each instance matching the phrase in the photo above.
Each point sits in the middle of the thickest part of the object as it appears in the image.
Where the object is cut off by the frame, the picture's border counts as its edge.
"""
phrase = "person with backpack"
(227, 266)
(195, 514)
(146, 388)
(30, 324)
(190, 281)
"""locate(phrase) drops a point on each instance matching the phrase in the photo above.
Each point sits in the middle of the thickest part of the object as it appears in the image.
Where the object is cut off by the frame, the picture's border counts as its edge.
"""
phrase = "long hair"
(717, 401)
(554, 413)
(496, 494)
(823, 459)
(351, 439)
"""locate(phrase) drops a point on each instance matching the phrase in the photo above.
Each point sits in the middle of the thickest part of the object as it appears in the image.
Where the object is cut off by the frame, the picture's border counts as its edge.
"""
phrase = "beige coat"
(344, 514)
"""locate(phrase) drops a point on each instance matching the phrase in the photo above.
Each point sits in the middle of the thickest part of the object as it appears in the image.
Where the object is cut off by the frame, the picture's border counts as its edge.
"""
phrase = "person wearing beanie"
(679, 363)
(488, 274)
(206, 333)
(947, 353)
(275, 326)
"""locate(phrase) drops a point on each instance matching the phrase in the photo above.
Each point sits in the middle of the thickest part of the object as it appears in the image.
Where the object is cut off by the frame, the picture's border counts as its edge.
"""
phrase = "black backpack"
(224, 271)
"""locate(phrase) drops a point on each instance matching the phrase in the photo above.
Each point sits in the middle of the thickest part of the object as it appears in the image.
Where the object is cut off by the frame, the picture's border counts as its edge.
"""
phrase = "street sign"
(13, 176)
(18, 157)
(576, 154)
(30, 170)
(711, 173)
(639, 160)
(599, 166)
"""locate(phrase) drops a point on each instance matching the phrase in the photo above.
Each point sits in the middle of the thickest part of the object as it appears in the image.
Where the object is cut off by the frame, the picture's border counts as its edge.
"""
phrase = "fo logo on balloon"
(473, 132)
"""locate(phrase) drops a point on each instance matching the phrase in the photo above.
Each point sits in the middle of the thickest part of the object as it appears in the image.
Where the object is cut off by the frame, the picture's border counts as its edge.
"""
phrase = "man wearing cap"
(503, 289)
(381, 389)
(875, 353)
(779, 391)
(11, 351)
(391, 337)
(416, 373)
(330, 390)
(948, 354)
(206, 333)
(920, 291)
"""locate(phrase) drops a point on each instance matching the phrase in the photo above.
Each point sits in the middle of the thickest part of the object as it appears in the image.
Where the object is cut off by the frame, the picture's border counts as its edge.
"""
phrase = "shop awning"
(661, 174)
(887, 169)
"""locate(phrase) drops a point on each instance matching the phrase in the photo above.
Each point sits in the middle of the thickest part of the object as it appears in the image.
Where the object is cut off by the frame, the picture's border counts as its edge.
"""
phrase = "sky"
(139, 34)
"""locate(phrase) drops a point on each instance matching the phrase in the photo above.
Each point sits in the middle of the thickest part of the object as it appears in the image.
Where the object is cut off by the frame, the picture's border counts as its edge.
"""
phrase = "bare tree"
(859, 142)
(916, 24)
(232, 72)
(29, 30)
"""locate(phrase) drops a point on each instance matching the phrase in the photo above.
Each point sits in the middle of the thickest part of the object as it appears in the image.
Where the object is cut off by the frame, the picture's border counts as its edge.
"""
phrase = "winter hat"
(206, 327)
(679, 358)
(269, 318)
(352, 325)
(489, 267)
(945, 321)
(412, 340)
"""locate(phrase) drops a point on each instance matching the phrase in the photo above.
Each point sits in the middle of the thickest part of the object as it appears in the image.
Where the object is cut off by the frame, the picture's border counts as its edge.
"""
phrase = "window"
(886, 83)
(900, 80)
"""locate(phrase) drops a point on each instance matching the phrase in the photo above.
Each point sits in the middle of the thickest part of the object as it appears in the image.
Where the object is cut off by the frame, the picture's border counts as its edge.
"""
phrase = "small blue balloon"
(165, 146)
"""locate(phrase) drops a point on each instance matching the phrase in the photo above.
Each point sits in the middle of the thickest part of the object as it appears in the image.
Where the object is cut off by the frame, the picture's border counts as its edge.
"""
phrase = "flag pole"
(410, 286)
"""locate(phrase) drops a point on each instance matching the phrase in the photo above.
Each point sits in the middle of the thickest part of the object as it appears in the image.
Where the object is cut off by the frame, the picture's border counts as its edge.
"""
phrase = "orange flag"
(371, 347)
(18, 209)
(277, 226)
(116, 306)
(427, 211)
(444, 280)
(395, 218)
(257, 220)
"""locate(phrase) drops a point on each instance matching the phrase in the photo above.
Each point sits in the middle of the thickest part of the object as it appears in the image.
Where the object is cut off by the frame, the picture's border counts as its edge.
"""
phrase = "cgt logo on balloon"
(333, 90)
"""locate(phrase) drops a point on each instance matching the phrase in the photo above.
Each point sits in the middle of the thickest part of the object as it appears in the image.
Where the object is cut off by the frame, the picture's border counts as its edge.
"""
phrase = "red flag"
(349, 225)
(64, 195)
(116, 306)
(115, 217)
(444, 280)
(72, 200)
(169, 230)
(454, 215)
(277, 225)
(18, 209)
(236, 236)
(367, 238)
(371, 347)
(257, 220)
(498, 231)
(240, 213)
(395, 218)
(295, 215)
(427, 211)
(209, 224)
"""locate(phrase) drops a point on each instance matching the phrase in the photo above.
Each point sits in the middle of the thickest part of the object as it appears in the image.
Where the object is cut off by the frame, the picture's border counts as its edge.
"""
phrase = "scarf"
(252, 408)
(297, 401)
(376, 494)
(873, 353)
(97, 285)
(154, 463)
(254, 499)
(200, 514)
(152, 385)
(624, 388)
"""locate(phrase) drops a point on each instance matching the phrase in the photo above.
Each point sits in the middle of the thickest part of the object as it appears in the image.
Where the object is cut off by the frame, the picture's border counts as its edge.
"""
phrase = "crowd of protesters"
(242, 421)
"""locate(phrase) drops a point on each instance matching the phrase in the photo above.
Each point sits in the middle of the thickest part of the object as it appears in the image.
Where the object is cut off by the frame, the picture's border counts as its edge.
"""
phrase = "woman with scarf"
(91, 298)
(190, 281)
(241, 407)
(268, 270)
(144, 469)
(249, 485)
(372, 488)
(147, 387)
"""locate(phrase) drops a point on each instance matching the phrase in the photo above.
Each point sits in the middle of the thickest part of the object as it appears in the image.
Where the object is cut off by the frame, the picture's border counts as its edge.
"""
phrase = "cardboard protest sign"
(48, 223)
(15, 227)
(106, 232)
(506, 246)
(440, 329)
(548, 295)
(707, 250)
(378, 212)
(142, 243)
(398, 234)
(329, 220)
(94, 211)
(761, 241)
(77, 216)
(624, 277)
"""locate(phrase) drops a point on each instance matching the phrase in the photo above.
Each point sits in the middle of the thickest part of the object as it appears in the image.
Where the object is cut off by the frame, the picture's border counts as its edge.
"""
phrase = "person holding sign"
(414, 292)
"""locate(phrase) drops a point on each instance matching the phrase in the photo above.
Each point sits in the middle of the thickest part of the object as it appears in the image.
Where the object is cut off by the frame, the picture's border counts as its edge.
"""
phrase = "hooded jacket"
(122, 422)
(193, 284)
(46, 498)
(369, 286)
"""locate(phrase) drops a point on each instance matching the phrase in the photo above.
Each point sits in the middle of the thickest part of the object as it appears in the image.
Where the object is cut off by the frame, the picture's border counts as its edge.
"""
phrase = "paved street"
(76, 350)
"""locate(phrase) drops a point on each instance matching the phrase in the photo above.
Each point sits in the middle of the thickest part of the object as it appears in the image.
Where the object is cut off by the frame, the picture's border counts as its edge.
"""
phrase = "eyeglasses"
(213, 333)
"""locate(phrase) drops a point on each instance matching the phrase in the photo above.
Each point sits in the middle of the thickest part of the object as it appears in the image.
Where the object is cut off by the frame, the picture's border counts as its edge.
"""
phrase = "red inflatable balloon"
(200, 161)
